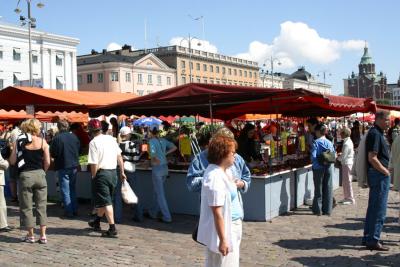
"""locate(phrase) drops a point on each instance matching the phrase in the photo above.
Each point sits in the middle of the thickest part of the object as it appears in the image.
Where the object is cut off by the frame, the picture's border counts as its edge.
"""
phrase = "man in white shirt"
(104, 156)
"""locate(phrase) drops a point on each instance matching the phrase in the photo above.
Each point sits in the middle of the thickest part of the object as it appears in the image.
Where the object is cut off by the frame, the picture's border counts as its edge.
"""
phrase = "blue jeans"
(379, 185)
(159, 174)
(323, 190)
(137, 209)
(67, 181)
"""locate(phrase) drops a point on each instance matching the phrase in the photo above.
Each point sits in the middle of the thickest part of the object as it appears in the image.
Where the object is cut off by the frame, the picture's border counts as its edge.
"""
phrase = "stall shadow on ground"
(183, 224)
(328, 243)
(373, 260)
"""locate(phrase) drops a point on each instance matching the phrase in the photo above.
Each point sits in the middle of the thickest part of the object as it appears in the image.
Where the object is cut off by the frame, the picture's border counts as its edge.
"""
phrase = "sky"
(323, 36)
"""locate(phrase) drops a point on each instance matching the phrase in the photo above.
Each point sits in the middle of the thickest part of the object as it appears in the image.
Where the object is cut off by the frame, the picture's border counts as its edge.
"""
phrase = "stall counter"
(269, 196)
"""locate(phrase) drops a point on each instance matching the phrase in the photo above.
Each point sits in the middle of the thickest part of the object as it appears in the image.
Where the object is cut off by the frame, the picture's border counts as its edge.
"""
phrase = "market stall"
(284, 181)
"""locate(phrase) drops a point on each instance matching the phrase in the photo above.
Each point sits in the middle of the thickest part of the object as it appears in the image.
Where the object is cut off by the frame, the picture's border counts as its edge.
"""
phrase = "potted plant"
(83, 162)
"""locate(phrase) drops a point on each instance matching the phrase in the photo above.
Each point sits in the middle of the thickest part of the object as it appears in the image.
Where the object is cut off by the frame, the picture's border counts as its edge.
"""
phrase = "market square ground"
(298, 239)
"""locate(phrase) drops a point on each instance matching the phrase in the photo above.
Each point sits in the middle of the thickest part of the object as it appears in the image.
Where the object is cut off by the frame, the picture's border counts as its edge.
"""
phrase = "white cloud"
(297, 43)
(113, 46)
(204, 44)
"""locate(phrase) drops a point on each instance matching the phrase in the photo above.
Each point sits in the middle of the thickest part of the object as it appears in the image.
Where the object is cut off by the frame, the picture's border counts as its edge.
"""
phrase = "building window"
(255, 75)
(114, 76)
(183, 80)
(204, 67)
(59, 60)
(235, 72)
(159, 80)
(183, 64)
(79, 79)
(250, 74)
(168, 80)
(211, 81)
(17, 78)
(60, 83)
(1, 84)
(150, 79)
(34, 58)
(229, 71)
(100, 77)
(211, 68)
(217, 69)
(198, 80)
(128, 77)
(16, 54)
(245, 73)
(140, 92)
(149, 91)
(140, 78)
(240, 73)
(205, 80)
(223, 70)
(198, 66)
(89, 78)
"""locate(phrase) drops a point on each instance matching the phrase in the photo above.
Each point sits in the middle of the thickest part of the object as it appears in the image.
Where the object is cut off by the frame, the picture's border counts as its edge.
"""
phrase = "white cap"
(125, 130)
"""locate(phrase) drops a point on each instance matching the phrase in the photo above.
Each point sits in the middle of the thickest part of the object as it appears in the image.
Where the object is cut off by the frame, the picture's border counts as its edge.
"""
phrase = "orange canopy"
(13, 115)
(43, 116)
(258, 117)
(69, 116)
(17, 98)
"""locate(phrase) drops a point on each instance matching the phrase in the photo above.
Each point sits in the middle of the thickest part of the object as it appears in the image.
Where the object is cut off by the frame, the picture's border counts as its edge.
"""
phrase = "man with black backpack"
(323, 157)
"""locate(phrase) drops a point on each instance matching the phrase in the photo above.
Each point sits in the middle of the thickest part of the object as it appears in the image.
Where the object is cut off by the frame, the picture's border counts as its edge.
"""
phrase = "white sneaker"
(347, 202)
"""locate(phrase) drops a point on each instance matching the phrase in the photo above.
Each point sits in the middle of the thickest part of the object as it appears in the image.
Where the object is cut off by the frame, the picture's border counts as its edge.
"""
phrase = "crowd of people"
(219, 173)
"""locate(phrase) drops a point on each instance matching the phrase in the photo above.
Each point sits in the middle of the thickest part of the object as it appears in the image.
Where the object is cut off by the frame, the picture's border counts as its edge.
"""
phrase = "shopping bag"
(127, 193)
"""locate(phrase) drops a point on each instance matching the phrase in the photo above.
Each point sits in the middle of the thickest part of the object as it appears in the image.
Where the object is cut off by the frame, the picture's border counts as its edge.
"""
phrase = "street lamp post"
(201, 18)
(31, 24)
(373, 89)
(189, 39)
(324, 74)
(272, 60)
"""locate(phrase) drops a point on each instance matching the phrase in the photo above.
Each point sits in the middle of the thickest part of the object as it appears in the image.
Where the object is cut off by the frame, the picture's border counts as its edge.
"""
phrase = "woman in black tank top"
(32, 157)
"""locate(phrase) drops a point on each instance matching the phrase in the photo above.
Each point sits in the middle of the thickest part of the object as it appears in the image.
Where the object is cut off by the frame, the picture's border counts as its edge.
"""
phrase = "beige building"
(204, 67)
(116, 72)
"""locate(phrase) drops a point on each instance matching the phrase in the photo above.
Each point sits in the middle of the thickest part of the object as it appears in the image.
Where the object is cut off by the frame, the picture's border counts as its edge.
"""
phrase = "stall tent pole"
(211, 115)
(363, 128)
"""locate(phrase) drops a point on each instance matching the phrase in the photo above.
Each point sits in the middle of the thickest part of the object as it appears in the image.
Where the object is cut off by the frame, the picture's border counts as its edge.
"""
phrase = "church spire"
(366, 58)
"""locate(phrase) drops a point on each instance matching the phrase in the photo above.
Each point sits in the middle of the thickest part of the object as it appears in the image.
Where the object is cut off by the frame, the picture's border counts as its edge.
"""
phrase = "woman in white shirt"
(347, 159)
(221, 212)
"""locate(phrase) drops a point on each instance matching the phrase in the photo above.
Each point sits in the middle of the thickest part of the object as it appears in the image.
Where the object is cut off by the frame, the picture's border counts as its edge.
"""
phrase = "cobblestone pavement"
(297, 239)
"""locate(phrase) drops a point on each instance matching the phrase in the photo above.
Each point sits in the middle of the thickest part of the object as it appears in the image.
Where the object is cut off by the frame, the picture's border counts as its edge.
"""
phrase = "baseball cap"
(125, 130)
(94, 124)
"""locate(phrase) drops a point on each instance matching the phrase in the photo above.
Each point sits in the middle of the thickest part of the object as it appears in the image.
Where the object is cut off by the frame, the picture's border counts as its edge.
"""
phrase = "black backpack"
(5, 149)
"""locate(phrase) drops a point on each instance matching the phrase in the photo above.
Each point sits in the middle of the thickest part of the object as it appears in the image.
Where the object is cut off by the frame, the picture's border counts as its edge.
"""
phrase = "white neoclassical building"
(53, 58)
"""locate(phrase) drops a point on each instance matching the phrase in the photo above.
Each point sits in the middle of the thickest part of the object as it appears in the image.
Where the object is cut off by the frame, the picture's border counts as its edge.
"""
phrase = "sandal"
(28, 239)
(42, 240)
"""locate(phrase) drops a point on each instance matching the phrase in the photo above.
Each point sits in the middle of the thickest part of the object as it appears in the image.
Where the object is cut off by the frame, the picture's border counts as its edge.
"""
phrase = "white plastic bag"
(127, 193)
(129, 166)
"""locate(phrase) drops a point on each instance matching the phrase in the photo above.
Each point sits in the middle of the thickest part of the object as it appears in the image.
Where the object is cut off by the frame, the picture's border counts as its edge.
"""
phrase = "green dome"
(366, 58)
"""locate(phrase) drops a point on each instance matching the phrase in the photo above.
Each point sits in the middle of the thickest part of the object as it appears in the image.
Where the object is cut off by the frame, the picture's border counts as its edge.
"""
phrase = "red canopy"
(302, 103)
(188, 99)
(17, 98)
(387, 107)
